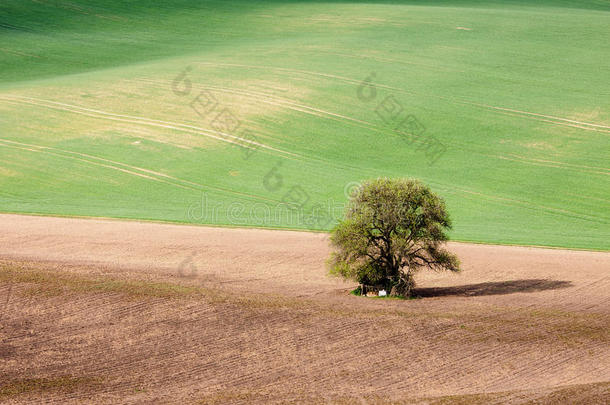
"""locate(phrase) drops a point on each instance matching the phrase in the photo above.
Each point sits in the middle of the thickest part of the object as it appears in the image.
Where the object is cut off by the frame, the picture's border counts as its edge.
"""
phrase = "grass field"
(106, 110)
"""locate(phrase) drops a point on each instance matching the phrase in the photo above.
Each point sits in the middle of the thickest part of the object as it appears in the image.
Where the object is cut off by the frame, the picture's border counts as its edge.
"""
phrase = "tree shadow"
(492, 288)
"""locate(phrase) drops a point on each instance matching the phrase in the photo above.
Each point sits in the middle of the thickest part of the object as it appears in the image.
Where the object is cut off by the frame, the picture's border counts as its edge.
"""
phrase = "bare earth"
(100, 311)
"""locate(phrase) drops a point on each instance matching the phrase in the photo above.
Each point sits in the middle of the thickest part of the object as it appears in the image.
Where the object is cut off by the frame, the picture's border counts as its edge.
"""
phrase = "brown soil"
(100, 311)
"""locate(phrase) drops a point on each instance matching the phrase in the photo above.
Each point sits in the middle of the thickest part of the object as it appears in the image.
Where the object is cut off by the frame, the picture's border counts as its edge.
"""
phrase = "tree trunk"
(404, 286)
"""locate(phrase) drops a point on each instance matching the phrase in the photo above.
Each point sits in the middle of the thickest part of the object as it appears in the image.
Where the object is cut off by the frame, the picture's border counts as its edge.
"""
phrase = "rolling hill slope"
(267, 113)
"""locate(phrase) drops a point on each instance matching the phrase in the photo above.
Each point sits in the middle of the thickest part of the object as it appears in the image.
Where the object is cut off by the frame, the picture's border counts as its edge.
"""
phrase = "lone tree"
(392, 228)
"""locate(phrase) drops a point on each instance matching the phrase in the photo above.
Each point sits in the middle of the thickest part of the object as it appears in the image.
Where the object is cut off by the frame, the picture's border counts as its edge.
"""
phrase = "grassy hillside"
(221, 112)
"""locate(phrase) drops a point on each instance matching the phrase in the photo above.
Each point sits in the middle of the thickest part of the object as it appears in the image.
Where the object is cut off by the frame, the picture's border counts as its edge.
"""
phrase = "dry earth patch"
(103, 313)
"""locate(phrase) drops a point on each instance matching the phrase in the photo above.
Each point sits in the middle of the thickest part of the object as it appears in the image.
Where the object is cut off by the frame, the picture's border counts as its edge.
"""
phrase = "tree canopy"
(392, 228)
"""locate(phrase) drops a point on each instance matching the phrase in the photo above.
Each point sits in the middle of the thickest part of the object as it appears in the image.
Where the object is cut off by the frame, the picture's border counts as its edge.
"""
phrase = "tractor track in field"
(525, 114)
(117, 166)
(320, 113)
(93, 113)
(179, 127)
(286, 331)
(185, 184)
(125, 168)
(274, 100)
(200, 187)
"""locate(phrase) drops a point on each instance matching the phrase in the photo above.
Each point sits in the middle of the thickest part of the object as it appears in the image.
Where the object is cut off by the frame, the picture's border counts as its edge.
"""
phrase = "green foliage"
(392, 228)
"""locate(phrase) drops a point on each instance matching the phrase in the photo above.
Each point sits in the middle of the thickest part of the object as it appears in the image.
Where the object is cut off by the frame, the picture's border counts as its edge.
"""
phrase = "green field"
(218, 112)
